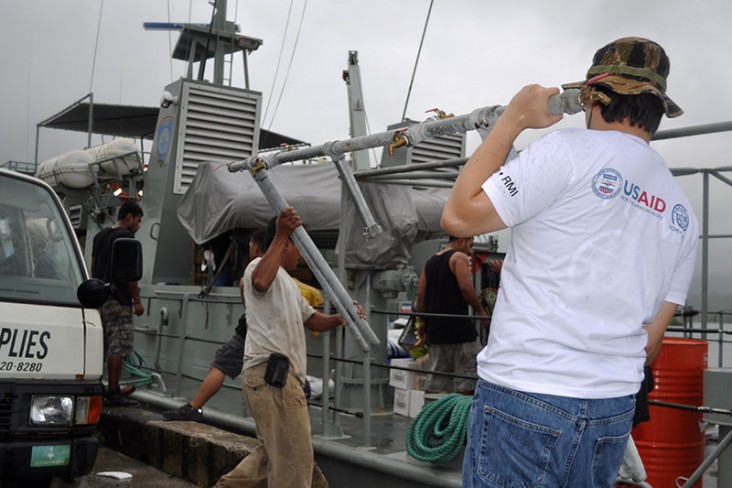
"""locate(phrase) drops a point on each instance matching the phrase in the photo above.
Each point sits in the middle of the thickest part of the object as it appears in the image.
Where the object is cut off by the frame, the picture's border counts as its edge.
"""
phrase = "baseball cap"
(631, 66)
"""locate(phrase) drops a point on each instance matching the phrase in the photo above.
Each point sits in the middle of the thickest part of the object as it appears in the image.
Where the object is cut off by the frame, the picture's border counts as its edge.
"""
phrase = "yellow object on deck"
(311, 294)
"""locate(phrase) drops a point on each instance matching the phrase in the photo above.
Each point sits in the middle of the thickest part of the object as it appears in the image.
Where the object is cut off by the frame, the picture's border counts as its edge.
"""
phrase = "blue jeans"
(522, 440)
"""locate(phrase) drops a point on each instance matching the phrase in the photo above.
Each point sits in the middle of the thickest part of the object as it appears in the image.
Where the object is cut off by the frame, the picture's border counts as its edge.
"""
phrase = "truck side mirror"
(92, 293)
(126, 260)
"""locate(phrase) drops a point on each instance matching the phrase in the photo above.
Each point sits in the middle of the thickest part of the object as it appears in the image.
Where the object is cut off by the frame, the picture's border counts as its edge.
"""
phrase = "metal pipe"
(479, 118)
(324, 274)
(164, 320)
(331, 427)
(424, 183)
(417, 175)
(693, 408)
(223, 297)
(38, 135)
(482, 117)
(181, 345)
(91, 120)
(370, 227)
(720, 362)
(339, 369)
(684, 171)
(705, 252)
(429, 314)
(720, 177)
(692, 131)
(447, 163)
(696, 476)
(246, 68)
(325, 374)
(366, 400)
(341, 268)
(367, 375)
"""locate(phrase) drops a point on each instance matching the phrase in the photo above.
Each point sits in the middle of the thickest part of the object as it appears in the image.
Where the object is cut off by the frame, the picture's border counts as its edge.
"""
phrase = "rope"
(96, 46)
(440, 429)
(279, 60)
(202, 66)
(170, 42)
(289, 66)
(416, 61)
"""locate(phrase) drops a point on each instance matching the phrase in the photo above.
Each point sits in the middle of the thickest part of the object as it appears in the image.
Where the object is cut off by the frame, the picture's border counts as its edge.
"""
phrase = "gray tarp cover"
(218, 201)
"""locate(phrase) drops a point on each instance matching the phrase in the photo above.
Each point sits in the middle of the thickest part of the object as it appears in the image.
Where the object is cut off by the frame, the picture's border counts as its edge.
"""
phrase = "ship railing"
(331, 408)
(20, 167)
(183, 337)
(720, 338)
(331, 425)
(116, 178)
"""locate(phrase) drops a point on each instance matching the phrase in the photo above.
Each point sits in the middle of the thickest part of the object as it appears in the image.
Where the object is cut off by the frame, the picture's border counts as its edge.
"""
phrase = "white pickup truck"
(51, 339)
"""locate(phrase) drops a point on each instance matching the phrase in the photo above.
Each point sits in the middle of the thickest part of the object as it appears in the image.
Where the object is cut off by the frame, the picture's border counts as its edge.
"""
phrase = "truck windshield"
(38, 261)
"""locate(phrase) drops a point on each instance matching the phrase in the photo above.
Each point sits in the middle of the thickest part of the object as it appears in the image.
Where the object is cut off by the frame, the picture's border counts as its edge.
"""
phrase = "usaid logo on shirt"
(607, 183)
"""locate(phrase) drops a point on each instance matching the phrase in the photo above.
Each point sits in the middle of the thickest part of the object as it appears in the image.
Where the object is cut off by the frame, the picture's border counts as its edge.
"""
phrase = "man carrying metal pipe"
(274, 364)
(602, 252)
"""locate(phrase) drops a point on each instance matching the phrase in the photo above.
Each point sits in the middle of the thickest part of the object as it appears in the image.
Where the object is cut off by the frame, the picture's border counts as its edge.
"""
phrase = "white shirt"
(275, 321)
(601, 237)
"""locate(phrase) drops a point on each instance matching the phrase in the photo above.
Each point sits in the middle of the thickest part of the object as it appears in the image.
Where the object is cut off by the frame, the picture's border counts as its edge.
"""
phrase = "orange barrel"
(671, 444)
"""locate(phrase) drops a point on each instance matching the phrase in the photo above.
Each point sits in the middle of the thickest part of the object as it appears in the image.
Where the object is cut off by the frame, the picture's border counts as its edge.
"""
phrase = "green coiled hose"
(439, 431)
(136, 365)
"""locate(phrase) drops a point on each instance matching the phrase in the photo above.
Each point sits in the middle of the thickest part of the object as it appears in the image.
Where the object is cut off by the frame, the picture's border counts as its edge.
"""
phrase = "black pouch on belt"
(277, 368)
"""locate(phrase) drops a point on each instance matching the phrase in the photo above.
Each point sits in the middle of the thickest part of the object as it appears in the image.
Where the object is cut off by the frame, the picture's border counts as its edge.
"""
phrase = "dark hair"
(129, 208)
(269, 232)
(452, 238)
(645, 110)
(258, 237)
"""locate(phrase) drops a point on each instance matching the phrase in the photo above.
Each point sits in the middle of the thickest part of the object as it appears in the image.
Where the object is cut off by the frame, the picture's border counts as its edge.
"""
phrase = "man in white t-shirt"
(602, 252)
(275, 364)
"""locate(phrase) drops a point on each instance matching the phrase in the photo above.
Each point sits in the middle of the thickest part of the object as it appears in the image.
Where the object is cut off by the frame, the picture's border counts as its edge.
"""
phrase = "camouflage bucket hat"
(631, 66)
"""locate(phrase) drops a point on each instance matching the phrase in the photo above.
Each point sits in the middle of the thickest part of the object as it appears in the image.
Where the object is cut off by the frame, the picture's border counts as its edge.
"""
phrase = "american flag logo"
(606, 183)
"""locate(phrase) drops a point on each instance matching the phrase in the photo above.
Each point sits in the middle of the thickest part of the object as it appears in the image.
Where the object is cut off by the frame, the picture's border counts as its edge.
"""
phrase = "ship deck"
(386, 450)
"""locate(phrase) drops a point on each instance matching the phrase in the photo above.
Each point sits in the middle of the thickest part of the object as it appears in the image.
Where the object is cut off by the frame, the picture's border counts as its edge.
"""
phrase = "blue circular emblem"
(164, 136)
(680, 216)
(607, 183)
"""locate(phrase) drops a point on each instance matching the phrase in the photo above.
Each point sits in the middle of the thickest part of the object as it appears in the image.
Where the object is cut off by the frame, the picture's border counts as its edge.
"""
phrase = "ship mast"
(218, 40)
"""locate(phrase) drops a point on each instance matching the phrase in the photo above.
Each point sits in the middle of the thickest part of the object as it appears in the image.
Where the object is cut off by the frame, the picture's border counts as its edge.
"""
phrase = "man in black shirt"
(117, 311)
(445, 287)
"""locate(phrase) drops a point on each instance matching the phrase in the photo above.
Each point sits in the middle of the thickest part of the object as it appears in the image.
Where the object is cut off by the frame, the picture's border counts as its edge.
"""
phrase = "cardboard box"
(398, 378)
(401, 401)
(416, 402)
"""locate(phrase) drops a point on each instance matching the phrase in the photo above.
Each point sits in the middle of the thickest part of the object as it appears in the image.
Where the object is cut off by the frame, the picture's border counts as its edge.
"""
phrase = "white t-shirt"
(601, 237)
(275, 321)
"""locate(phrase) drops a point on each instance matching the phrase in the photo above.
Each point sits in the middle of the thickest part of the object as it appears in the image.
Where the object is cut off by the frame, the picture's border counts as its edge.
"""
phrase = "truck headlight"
(52, 410)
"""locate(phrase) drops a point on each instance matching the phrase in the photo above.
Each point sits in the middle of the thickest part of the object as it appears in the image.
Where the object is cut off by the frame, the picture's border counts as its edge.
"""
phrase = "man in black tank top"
(445, 287)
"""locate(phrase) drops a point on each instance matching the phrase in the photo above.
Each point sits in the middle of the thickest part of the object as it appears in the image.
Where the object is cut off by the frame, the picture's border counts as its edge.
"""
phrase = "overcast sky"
(476, 53)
